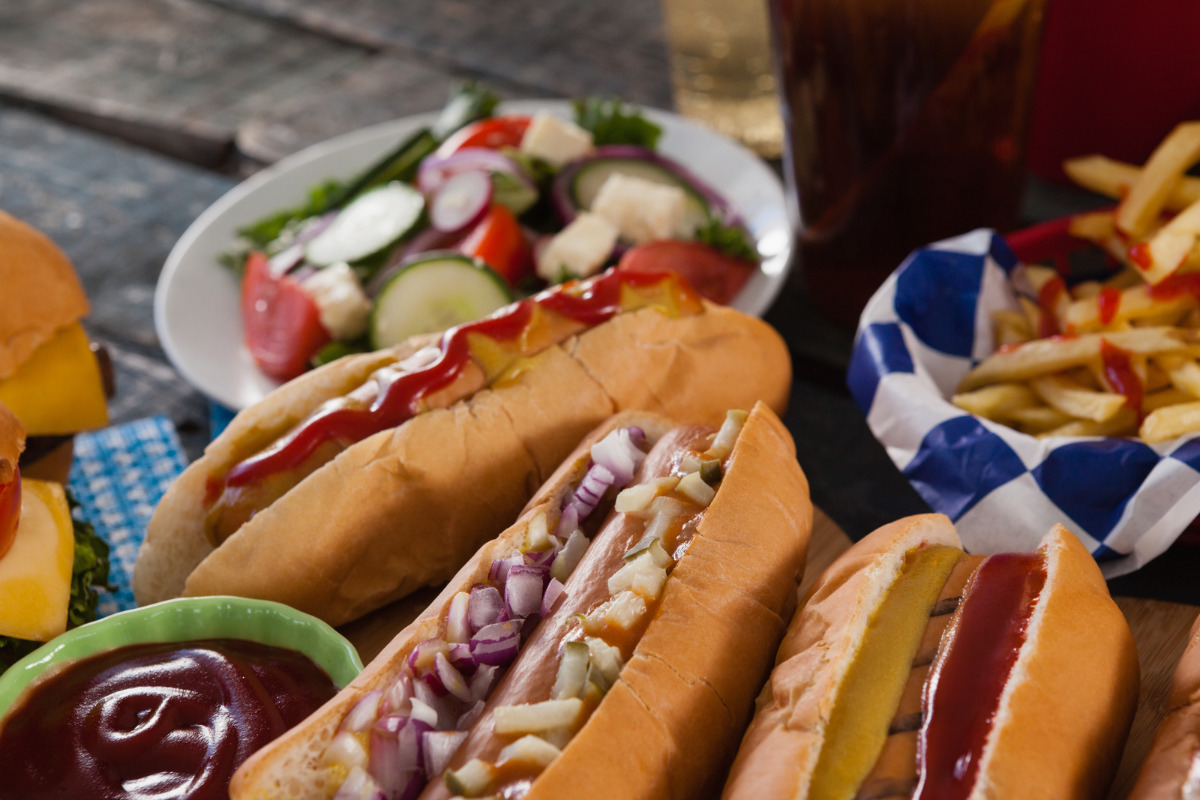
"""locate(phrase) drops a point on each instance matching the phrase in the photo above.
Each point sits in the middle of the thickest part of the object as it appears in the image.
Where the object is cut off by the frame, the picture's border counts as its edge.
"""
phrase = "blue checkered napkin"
(921, 332)
(118, 476)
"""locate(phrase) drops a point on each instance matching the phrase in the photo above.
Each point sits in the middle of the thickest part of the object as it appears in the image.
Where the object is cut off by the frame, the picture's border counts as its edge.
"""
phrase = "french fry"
(1154, 184)
(1156, 378)
(1123, 424)
(995, 402)
(1126, 351)
(1172, 245)
(1131, 304)
(1166, 397)
(1125, 279)
(1110, 177)
(1095, 226)
(1183, 372)
(1038, 419)
(1076, 401)
(1010, 327)
(1046, 356)
(1033, 315)
(1168, 422)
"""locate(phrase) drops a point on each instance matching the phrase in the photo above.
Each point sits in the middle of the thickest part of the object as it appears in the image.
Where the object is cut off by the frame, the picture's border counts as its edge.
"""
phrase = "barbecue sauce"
(161, 721)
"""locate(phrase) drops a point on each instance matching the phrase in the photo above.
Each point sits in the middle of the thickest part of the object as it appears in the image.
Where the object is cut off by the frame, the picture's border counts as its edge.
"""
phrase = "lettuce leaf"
(612, 122)
(728, 239)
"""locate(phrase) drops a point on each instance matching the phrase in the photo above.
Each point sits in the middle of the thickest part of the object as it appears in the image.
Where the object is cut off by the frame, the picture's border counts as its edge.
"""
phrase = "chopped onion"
(424, 712)
(363, 715)
(523, 590)
(497, 644)
(482, 682)
(568, 522)
(554, 590)
(500, 567)
(359, 786)
(486, 607)
(451, 678)
(541, 558)
(460, 656)
(568, 557)
(458, 624)
(397, 695)
(439, 747)
(428, 686)
(347, 750)
(421, 657)
(468, 719)
(617, 453)
(395, 752)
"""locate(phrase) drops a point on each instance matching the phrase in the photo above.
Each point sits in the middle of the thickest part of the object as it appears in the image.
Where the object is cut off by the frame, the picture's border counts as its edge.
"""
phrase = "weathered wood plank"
(116, 211)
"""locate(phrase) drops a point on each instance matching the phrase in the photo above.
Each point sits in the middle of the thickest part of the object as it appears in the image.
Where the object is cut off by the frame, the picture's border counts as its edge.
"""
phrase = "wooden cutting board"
(1160, 630)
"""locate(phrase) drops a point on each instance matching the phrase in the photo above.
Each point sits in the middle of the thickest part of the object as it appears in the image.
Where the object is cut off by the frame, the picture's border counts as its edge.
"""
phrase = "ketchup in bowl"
(155, 720)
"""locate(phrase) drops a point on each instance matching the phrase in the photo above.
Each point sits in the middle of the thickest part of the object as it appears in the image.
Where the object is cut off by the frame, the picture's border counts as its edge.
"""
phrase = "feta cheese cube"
(579, 250)
(642, 210)
(555, 140)
(342, 305)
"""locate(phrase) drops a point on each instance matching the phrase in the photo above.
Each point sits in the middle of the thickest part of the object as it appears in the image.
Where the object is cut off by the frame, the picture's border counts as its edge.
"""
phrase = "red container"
(1115, 77)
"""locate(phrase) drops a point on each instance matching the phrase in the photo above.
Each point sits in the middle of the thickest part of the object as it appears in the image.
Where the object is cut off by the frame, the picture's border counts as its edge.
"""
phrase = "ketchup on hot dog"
(395, 393)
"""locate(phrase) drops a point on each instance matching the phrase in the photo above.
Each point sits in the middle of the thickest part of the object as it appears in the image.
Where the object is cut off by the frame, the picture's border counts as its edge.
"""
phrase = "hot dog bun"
(404, 507)
(1063, 713)
(1170, 765)
(669, 727)
(687, 690)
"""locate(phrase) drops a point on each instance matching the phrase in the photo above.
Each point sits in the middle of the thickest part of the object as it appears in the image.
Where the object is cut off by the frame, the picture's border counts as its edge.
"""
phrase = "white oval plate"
(196, 302)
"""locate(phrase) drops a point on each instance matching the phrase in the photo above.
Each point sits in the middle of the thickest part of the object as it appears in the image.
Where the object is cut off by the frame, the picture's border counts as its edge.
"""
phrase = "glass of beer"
(721, 70)
(906, 123)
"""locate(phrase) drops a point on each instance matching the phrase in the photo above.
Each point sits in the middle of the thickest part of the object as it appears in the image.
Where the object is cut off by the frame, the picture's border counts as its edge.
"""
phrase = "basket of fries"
(1053, 376)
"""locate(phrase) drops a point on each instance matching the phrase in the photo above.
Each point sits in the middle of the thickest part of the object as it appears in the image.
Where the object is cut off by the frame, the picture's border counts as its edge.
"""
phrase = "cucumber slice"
(591, 177)
(372, 222)
(435, 292)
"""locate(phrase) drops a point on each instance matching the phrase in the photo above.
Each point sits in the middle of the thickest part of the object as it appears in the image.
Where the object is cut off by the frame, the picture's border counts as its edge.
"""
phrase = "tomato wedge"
(716, 276)
(493, 133)
(499, 242)
(10, 512)
(281, 322)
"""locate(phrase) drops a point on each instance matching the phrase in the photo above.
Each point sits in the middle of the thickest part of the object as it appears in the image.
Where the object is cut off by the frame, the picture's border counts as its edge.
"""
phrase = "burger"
(50, 376)
(50, 562)
(52, 385)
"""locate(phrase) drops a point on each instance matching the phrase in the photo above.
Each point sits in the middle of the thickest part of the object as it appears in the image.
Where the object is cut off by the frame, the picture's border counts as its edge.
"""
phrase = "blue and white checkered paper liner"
(118, 476)
(923, 330)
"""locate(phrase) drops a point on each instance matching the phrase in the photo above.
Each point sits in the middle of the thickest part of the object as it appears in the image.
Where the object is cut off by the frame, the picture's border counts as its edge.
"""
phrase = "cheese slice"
(58, 390)
(35, 573)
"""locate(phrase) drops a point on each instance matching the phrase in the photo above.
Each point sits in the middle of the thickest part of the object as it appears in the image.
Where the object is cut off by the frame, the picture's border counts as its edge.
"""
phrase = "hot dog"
(648, 656)
(1171, 771)
(381, 473)
(915, 671)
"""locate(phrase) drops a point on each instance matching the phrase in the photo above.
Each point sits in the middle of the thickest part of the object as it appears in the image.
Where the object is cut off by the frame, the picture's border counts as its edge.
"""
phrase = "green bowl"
(186, 619)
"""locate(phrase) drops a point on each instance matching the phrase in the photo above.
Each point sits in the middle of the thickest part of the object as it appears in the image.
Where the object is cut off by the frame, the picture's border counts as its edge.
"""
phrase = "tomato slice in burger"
(281, 321)
(499, 242)
(10, 512)
(716, 276)
(493, 133)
